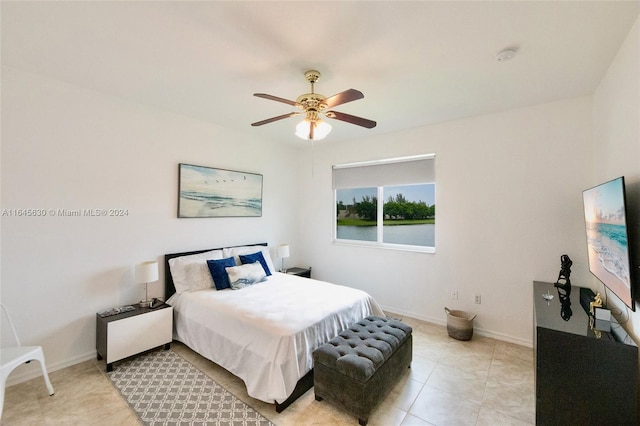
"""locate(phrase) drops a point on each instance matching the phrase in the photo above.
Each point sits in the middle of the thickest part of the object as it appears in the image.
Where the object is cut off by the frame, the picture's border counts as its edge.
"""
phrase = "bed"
(263, 333)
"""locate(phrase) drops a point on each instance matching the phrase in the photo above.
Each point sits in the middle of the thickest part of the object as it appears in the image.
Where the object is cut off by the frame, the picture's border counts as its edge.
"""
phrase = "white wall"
(64, 147)
(616, 122)
(509, 203)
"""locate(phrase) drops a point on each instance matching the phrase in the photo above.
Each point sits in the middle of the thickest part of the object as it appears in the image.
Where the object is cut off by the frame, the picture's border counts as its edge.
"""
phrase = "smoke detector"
(506, 54)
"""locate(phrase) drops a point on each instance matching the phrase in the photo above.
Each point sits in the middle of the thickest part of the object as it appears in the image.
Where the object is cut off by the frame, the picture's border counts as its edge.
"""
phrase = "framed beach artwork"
(209, 192)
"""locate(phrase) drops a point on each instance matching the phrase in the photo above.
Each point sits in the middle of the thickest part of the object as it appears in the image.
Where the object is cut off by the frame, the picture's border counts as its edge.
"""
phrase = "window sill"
(376, 245)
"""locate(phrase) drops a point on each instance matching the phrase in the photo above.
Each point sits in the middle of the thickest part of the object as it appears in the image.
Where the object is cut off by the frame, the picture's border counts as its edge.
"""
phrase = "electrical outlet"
(454, 294)
(478, 299)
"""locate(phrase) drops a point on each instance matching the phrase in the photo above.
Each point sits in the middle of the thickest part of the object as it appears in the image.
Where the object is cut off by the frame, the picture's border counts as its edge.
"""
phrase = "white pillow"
(245, 275)
(237, 251)
(191, 273)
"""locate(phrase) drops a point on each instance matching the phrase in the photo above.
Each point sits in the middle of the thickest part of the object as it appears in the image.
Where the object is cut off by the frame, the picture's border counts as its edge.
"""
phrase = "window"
(389, 203)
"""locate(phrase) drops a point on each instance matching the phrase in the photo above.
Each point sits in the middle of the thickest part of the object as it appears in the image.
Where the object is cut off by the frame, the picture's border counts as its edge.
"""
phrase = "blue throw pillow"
(255, 257)
(219, 273)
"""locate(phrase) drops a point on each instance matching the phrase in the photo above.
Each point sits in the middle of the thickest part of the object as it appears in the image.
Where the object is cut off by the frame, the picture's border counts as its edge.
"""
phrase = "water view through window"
(408, 214)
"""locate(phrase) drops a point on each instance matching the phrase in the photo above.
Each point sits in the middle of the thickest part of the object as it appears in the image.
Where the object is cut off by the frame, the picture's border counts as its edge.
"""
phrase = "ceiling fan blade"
(358, 121)
(343, 98)
(275, 98)
(272, 119)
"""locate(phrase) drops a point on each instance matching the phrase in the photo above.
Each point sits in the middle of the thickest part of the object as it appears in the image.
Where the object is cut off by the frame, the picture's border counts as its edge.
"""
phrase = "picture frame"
(205, 192)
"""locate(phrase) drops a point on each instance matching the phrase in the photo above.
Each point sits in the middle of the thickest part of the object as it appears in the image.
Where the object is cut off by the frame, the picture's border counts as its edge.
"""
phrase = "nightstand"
(301, 272)
(129, 333)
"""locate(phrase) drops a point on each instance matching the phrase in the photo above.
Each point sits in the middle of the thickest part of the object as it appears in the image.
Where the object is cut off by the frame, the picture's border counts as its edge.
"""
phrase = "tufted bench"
(356, 369)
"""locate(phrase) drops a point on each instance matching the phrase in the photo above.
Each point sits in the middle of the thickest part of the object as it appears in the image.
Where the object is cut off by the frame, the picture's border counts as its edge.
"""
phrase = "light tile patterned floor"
(479, 382)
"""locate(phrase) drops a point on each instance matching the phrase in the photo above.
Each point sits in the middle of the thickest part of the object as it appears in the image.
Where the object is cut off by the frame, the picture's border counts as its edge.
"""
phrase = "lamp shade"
(283, 250)
(320, 129)
(147, 272)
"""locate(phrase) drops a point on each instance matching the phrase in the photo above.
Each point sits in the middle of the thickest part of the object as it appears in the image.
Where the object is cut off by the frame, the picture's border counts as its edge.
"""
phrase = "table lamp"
(283, 252)
(146, 272)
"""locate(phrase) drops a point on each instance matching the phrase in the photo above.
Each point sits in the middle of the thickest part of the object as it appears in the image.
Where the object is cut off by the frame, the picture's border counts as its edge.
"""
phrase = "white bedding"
(265, 333)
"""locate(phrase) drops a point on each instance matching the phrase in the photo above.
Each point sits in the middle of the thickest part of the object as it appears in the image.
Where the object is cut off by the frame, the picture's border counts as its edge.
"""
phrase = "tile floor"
(479, 382)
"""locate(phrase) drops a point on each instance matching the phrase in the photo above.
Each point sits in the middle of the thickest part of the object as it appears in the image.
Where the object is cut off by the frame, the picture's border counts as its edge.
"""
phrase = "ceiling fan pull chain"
(313, 158)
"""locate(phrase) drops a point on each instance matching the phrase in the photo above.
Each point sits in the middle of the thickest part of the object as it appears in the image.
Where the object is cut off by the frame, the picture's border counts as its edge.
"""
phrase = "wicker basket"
(459, 324)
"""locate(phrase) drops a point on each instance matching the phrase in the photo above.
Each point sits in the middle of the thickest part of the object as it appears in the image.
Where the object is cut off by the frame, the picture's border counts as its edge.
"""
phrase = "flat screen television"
(605, 214)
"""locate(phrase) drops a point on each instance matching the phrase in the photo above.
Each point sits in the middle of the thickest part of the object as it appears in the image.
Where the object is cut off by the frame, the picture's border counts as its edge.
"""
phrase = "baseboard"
(479, 330)
(31, 371)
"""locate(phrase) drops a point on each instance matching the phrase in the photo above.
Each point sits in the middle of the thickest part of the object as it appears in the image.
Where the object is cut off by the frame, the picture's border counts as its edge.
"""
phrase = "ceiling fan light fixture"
(302, 129)
(320, 129)
(314, 105)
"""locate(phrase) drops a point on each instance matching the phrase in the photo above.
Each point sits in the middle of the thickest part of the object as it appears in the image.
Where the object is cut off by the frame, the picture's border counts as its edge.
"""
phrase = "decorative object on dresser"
(208, 192)
(14, 356)
(585, 375)
(129, 333)
(146, 272)
(564, 280)
(358, 368)
(283, 252)
(564, 294)
(301, 272)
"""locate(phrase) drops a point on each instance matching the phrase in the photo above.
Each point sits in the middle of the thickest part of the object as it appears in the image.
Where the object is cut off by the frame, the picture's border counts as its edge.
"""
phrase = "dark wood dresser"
(584, 376)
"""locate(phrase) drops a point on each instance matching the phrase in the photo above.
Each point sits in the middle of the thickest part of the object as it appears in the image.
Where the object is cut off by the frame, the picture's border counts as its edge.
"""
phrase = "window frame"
(379, 243)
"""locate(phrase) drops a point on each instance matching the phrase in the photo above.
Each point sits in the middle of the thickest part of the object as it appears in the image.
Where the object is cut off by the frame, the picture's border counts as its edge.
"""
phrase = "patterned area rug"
(165, 389)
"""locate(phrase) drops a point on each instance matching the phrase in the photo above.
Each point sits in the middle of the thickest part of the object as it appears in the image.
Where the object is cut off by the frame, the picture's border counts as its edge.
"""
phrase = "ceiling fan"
(314, 105)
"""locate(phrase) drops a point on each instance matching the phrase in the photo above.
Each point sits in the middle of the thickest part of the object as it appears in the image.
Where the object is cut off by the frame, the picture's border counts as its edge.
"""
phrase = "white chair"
(12, 357)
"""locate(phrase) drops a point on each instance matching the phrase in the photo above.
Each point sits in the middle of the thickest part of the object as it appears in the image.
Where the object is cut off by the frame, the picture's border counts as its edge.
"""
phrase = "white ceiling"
(417, 63)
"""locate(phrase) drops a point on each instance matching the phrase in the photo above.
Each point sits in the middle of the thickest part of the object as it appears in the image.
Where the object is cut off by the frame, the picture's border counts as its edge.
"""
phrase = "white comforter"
(265, 333)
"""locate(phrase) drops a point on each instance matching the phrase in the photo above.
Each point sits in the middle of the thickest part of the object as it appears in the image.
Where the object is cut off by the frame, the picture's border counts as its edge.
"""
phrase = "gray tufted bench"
(356, 369)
